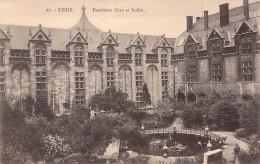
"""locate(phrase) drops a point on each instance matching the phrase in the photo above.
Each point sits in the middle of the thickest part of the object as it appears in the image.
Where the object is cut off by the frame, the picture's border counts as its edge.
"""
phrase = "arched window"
(79, 54)
(191, 97)
(110, 56)
(180, 96)
(138, 56)
(164, 53)
(40, 53)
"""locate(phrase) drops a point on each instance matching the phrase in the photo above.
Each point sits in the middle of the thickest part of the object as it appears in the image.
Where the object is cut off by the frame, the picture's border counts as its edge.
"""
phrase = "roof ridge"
(34, 27)
(235, 8)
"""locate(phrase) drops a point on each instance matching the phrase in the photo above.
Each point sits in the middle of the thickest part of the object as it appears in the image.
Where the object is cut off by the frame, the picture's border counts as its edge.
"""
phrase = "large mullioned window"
(138, 56)
(40, 53)
(110, 79)
(80, 94)
(79, 51)
(164, 85)
(192, 73)
(217, 72)
(247, 71)
(164, 57)
(139, 84)
(41, 86)
(79, 80)
(110, 56)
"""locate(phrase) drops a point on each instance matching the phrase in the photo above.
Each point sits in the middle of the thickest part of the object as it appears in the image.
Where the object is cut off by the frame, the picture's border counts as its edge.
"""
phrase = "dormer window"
(110, 41)
(138, 43)
(163, 44)
(78, 39)
(40, 37)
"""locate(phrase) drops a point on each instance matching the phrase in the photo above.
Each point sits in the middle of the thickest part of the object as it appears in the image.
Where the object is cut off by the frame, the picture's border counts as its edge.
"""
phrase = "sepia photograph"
(130, 82)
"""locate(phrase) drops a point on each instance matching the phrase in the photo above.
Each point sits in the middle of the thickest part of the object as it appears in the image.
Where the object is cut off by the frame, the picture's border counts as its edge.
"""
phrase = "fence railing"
(202, 133)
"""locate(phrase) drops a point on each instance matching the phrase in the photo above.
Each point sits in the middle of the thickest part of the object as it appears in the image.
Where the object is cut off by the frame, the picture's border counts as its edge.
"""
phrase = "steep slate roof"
(84, 23)
(60, 37)
(236, 19)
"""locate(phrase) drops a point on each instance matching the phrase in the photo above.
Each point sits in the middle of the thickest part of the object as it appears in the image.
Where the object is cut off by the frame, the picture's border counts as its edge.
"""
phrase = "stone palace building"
(218, 53)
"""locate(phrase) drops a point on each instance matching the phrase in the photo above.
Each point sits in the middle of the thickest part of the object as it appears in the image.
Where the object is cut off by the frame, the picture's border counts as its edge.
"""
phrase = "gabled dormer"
(109, 40)
(40, 36)
(190, 40)
(244, 28)
(138, 41)
(78, 38)
(164, 43)
(215, 34)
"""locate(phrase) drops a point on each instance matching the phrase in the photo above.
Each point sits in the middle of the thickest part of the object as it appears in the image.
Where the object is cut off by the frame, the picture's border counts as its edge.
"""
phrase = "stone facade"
(66, 67)
(220, 53)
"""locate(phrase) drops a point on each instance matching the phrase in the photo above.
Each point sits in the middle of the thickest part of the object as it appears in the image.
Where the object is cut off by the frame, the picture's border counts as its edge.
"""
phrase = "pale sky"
(160, 17)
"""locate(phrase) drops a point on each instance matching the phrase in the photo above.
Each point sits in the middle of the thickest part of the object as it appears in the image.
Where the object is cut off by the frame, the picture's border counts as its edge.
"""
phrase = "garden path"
(231, 142)
(178, 123)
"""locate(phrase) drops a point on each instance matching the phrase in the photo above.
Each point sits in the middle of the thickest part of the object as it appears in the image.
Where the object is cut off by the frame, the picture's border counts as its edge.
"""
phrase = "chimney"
(206, 20)
(224, 14)
(197, 19)
(246, 9)
(189, 22)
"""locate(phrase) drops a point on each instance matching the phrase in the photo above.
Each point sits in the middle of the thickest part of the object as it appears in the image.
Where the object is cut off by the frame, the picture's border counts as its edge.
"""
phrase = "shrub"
(17, 132)
(241, 133)
(249, 156)
(43, 110)
(249, 118)
(192, 117)
(225, 115)
(11, 154)
(55, 147)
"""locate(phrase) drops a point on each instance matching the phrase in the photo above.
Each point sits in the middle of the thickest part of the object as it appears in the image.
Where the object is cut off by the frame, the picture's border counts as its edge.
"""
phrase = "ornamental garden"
(32, 133)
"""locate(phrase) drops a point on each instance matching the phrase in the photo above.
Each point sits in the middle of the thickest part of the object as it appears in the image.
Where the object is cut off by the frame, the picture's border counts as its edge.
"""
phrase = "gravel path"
(231, 141)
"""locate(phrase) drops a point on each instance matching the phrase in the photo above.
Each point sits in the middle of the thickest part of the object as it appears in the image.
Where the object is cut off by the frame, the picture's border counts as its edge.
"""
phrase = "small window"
(40, 37)
(163, 44)
(109, 41)
(138, 43)
(78, 39)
